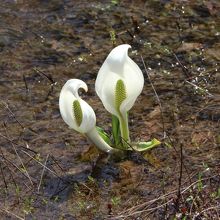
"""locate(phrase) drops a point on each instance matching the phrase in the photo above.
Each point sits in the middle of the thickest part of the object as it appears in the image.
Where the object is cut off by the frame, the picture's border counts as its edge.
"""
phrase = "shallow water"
(44, 43)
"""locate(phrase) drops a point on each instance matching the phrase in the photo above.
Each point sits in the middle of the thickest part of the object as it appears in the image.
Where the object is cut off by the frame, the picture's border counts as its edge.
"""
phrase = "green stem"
(116, 131)
(123, 119)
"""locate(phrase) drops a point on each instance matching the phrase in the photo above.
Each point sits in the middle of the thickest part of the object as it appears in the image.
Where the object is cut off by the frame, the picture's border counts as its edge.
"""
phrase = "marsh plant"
(119, 82)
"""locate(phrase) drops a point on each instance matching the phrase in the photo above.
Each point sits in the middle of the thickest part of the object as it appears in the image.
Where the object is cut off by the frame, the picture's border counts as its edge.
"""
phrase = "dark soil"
(48, 171)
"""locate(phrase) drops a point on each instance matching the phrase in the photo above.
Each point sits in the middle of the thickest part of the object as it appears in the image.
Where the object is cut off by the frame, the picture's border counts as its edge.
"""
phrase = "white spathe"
(68, 95)
(119, 66)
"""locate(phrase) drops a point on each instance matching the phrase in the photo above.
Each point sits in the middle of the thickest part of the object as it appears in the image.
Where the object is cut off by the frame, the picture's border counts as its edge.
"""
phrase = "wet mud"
(48, 171)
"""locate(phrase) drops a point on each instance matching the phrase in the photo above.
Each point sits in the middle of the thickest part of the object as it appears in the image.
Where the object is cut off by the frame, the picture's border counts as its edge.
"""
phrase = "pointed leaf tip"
(143, 146)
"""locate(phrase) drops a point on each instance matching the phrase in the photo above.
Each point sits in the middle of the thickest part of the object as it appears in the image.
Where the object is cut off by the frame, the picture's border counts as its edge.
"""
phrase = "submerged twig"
(212, 207)
(180, 177)
(54, 173)
(3, 176)
(184, 68)
(19, 158)
(198, 87)
(56, 163)
(157, 97)
(188, 75)
(13, 115)
(14, 165)
(49, 77)
(25, 83)
(13, 180)
(12, 214)
(42, 174)
(12, 142)
(138, 209)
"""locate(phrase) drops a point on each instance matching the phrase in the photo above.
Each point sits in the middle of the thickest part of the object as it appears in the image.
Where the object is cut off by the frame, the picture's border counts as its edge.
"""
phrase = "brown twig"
(13, 180)
(25, 83)
(19, 158)
(49, 77)
(12, 214)
(56, 162)
(184, 68)
(138, 209)
(210, 208)
(3, 176)
(54, 173)
(12, 142)
(196, 86)
(13, 115)
(42, 174)
(180, 177)
(14, 165)
(157, 97)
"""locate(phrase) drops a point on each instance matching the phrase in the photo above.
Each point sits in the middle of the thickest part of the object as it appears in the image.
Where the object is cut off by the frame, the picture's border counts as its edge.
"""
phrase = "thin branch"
(19, 158)
(33, 151)
(56, 163)
(157, 97)
(21, 171)
(49, 77)
(13, 115)
(210, 208)
(3, 176)
(134, 210)
(12, 214)
(173, 145)
(25, 83)
(180, 177)
(189, 76)
(42, 174)
(184, 68)
(10, 173)
(198, 87)
(54, 173)
(141, 211)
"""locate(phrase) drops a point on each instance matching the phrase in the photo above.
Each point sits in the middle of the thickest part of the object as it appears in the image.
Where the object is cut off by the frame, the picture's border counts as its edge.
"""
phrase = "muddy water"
(49, 171)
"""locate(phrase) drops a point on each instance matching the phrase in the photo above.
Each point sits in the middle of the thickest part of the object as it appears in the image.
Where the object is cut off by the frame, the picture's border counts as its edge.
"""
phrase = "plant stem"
(116, 131)
(123, 119)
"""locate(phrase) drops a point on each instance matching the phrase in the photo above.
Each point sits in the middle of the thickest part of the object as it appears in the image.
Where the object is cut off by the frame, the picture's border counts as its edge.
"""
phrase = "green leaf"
(143, 146)
(104, 135)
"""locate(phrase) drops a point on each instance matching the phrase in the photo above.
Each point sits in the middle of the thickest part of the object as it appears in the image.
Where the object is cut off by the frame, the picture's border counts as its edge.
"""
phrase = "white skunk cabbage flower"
(118, 84)
(78, 114)
(75, 111)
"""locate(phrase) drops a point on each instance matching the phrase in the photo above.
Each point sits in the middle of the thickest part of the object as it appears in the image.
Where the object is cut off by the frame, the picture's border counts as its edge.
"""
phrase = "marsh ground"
(48, 171)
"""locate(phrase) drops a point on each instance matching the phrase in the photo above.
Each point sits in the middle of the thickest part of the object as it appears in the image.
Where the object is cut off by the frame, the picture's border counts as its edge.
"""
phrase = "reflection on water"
(44, 43)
